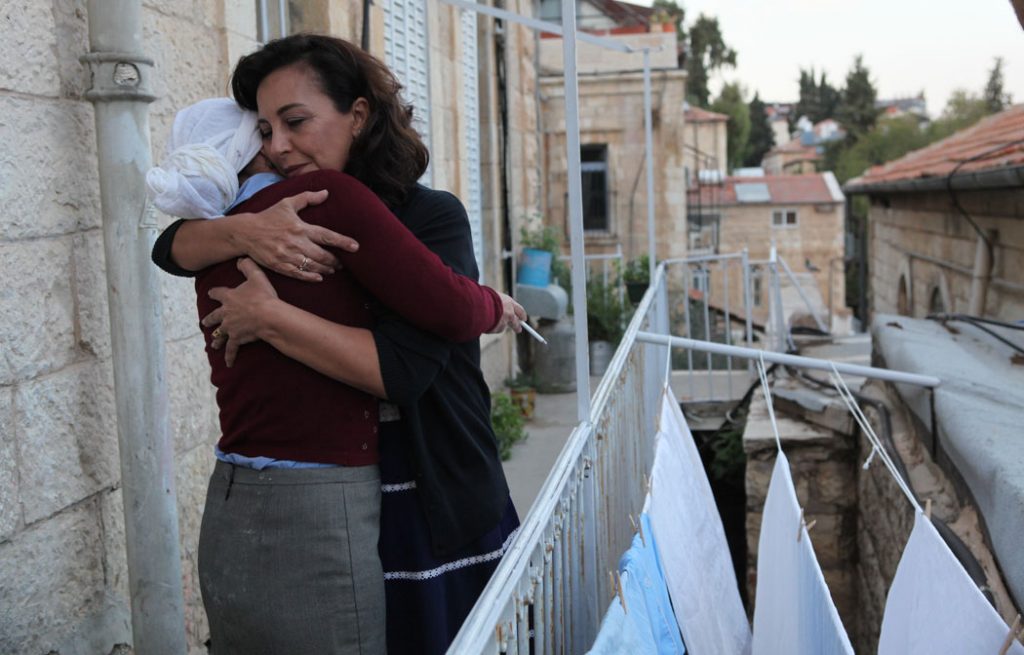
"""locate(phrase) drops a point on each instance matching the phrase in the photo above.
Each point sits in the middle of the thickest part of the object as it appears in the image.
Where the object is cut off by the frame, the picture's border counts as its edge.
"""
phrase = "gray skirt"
(288, 561)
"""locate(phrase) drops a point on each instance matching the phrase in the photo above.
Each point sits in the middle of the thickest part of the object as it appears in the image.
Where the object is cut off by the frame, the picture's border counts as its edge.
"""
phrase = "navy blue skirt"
(427, 597)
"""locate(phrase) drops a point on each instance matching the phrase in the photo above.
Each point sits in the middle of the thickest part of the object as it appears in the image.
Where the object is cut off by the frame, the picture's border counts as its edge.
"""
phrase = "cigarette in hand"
(533, 333)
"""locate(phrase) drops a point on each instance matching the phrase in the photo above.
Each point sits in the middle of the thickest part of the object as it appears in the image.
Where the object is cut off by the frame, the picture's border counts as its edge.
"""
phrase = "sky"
(908, 45)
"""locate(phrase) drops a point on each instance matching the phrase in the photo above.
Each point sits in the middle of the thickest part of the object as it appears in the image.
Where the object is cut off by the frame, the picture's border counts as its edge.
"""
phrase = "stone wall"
(611, 112)
(818, 237)
(63, 577)
(862, 518)
(706, 146)
(910, 233)
(885, 516)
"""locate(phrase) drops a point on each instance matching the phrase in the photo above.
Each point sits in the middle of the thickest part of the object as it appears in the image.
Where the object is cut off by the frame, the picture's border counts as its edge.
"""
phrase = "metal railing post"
(575, 184)
(120, 94)
(803, 296)
(649, 156)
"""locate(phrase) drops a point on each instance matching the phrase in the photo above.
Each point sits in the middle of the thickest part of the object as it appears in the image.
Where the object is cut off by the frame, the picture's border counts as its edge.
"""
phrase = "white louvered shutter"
(471, 109)
(407, 55)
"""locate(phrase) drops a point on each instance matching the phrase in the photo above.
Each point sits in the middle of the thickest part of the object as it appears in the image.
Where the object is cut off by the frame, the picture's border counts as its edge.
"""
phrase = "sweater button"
(375, 429)
(366, 446)
(366, 414)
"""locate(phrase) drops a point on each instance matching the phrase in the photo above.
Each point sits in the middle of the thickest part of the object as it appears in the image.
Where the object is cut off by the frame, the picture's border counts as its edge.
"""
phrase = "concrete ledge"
(978, 412)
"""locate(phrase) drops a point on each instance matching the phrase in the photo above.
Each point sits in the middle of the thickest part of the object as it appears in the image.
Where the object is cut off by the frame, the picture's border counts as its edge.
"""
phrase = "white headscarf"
(211, 142)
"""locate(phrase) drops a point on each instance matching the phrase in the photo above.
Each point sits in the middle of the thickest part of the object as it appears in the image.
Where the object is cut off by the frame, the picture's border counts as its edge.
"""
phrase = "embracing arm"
(275, 237)
(400, 271)
(252, 311)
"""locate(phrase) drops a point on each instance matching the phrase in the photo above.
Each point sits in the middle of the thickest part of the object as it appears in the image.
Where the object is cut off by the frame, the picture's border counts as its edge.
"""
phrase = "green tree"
(996, 99)
(856, 110)
(730, 102)
(818, 99)
(890, 139)
(963, 109)
(706, 52)
(761, 136)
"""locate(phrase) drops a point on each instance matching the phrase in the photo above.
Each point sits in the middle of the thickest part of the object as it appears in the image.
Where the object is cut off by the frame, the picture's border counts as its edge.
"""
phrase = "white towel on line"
(933, 606)
(794, 613)
(691, 543)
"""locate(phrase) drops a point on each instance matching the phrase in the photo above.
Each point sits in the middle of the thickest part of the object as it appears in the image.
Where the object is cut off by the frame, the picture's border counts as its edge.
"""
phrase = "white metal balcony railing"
(551, 589)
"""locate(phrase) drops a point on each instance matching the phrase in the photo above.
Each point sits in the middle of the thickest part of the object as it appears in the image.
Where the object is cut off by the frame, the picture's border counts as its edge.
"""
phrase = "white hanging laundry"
(794, 614)
(626, 629)
(934, 607)
(691, 543)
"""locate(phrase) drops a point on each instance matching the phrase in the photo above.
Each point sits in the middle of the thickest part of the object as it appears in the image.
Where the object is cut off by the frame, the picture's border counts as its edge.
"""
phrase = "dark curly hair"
(388, 156)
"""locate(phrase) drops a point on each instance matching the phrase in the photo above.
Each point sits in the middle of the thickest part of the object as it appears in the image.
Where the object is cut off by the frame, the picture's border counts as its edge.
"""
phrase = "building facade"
(611, 121)
(63, 571)
(945, 225)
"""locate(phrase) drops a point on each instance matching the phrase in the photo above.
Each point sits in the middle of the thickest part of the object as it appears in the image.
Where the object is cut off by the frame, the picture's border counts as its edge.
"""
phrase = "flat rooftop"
(978, 416)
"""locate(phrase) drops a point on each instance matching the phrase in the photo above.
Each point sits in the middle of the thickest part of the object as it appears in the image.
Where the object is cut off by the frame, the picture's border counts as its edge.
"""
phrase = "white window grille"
(406, 54)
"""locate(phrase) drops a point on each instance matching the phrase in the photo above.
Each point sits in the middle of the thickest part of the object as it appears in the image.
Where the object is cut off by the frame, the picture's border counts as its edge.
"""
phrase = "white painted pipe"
(798, 361)
(120, 94)
(649, 150)
(575, 187)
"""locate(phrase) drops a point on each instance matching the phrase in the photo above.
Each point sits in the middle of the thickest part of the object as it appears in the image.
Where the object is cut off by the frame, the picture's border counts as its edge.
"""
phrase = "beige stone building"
(611, 124)
(705, 143)
(802, 215)
(946, 236)
(63, 572)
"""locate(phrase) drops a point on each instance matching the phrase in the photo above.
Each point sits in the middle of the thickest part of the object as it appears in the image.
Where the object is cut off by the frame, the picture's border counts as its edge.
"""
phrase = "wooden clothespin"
(647, 483)
(622, 594)
(803, 524)
(928, 508)
(1014, 634)
(638, 526)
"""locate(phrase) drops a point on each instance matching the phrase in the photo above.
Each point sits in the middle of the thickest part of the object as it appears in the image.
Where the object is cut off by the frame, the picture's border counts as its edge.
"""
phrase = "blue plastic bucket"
(535, 269)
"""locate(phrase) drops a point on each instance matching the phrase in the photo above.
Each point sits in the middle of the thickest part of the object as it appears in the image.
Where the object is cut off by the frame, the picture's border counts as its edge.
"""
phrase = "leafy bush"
(508, 423)
(638, 270)
(605, 311)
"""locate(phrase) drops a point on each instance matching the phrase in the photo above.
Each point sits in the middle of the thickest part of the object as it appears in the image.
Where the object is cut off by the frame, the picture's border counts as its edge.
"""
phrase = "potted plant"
(605, 316)
(545, 238)
(637, 277)
(523, 391)
(508, 423)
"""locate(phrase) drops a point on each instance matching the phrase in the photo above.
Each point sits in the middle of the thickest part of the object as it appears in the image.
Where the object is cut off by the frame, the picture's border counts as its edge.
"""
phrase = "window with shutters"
(406, 54)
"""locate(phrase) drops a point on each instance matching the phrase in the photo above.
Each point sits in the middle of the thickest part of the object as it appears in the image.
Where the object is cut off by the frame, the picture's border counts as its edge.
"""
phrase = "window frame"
(601, 167)
(785, 213)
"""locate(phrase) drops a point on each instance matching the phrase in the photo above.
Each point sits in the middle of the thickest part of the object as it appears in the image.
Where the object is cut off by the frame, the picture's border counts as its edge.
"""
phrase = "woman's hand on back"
(278, 239)
(242, 309)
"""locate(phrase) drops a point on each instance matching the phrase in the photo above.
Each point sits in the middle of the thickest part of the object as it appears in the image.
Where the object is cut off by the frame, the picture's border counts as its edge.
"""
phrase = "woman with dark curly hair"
(445, 516)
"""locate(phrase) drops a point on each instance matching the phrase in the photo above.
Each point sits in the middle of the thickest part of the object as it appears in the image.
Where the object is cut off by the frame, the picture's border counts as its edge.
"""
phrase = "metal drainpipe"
(120, 94)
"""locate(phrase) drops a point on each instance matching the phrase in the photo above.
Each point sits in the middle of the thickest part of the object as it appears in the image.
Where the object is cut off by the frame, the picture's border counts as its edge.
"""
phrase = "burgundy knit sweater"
(274, 406)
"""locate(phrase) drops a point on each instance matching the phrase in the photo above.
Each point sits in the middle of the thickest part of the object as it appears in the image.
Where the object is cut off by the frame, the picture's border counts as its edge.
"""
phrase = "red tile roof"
(698, 115)
(994, 142)
(811, 188)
